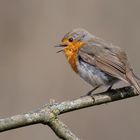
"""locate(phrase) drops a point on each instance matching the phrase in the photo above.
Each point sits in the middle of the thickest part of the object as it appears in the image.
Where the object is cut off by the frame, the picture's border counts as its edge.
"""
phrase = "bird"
(96, 61)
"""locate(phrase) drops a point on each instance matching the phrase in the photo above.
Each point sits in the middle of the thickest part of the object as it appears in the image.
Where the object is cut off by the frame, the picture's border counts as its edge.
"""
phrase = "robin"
(96, 61)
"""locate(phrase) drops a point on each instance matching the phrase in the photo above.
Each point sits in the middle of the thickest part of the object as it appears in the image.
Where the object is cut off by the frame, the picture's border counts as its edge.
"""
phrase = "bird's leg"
(90, 92)
(110, 87)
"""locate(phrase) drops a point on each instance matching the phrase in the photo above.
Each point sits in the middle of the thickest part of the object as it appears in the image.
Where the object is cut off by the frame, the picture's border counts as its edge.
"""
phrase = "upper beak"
(62, 46)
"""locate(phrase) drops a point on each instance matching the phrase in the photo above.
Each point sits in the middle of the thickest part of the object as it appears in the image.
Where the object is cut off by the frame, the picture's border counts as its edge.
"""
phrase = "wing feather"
(111, 60)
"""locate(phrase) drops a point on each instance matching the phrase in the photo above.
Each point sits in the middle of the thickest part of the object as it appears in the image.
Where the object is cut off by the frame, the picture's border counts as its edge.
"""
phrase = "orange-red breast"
(96, 61)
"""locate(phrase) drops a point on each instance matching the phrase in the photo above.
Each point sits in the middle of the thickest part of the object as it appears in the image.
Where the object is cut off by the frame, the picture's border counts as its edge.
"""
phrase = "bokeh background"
(31, 73)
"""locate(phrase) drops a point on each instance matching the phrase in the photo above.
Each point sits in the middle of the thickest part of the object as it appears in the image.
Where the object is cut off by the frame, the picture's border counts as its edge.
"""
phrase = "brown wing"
(109, 59)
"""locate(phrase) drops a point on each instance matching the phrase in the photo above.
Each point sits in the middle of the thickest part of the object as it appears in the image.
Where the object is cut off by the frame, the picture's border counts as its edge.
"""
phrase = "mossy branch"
(48, 114)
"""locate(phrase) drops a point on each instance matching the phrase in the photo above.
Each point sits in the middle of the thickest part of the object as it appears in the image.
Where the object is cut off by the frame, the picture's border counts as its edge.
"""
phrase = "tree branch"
(61, 130)
(49, 112)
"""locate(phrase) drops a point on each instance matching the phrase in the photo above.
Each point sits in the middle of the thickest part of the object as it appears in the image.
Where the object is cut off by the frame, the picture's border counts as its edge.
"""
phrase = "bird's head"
(73, 40)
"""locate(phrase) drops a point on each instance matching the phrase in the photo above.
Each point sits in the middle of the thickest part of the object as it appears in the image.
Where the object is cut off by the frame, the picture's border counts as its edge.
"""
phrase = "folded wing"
(110, 59)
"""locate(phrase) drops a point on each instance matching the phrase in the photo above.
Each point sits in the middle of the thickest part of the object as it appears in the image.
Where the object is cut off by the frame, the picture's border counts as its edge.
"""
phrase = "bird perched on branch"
(96, 61)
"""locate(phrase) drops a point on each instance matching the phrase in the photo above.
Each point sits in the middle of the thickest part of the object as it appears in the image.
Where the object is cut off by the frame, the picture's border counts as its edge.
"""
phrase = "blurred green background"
(31, 73)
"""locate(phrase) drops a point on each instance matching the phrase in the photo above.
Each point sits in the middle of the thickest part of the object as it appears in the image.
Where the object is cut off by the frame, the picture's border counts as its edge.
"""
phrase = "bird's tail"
(133, 80)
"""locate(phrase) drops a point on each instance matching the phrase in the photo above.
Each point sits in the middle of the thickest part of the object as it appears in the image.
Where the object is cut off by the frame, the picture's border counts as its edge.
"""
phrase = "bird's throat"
(71, 55)
(71, 52)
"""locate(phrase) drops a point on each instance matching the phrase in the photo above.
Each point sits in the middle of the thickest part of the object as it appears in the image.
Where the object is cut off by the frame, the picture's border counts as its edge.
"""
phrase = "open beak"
(61, 46)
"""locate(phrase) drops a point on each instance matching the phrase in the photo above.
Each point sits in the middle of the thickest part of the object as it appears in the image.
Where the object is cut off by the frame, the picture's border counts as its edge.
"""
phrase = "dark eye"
(70, 39)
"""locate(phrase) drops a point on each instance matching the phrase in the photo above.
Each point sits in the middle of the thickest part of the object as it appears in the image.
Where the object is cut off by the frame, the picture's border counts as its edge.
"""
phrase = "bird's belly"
(93, 75)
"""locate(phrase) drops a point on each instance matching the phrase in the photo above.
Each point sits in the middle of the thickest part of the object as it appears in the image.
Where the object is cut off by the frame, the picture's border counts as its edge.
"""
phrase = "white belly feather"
(93, 75)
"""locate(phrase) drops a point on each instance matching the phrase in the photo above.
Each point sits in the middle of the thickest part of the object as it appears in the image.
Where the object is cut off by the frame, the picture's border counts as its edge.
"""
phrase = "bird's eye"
(70, 39)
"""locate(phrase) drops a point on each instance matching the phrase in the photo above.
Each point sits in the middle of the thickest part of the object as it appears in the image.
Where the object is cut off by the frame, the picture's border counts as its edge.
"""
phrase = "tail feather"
(133, 80)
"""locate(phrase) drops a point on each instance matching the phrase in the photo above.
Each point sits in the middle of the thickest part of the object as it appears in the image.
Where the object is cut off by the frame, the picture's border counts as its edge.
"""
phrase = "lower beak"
(61, 46)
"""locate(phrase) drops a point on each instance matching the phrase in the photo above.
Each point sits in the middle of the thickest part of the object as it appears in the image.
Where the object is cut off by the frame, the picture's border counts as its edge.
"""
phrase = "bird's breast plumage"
(71, 53)
(71, 56)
